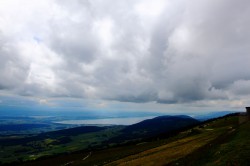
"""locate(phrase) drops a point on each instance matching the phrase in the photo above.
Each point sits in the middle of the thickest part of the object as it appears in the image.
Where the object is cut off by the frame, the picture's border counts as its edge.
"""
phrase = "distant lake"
(106, 121)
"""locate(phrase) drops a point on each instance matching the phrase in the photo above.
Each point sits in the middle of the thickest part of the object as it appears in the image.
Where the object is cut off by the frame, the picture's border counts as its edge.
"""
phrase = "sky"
(125, 55)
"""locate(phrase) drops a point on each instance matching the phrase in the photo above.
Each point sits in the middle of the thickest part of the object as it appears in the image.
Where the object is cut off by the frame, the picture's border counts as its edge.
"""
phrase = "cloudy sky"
(160, 55)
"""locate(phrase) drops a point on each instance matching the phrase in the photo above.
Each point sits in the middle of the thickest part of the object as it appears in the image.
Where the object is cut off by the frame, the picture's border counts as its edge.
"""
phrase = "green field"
(34, 147)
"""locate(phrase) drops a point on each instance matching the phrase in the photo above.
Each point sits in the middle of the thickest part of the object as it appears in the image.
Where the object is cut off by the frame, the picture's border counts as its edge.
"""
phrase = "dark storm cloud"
(132, 51)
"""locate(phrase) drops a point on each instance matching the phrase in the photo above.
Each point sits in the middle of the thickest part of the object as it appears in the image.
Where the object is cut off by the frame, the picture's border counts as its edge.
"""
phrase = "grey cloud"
(240, 87)
(192, 51)
(141, 98)
(215, 52)
(13, 69)
(71, 36)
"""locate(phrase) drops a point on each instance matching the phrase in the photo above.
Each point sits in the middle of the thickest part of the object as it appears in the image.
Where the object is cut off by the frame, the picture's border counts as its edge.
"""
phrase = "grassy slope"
(166, 153)
(221, 142)
(232, 150)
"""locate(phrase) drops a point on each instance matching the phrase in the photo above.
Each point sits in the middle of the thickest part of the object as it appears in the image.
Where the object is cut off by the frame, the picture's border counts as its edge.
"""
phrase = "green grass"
(230, 148)
(236, 151)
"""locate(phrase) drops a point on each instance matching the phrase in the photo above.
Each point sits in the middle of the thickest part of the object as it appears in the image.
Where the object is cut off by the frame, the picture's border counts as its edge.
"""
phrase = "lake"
(106, 121)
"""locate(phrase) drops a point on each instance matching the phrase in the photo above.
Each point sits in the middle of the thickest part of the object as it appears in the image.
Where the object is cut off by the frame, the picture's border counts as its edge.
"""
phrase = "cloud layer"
(134, 51)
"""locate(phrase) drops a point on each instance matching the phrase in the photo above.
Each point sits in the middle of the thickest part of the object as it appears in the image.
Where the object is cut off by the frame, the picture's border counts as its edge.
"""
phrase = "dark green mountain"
(162, 125)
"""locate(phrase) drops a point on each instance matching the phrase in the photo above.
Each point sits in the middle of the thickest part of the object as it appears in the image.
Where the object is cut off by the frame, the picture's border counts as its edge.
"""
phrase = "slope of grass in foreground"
(199, 138)
(233, 150)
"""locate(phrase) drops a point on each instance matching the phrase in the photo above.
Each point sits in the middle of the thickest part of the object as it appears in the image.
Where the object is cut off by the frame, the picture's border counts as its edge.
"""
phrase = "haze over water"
(106, 121)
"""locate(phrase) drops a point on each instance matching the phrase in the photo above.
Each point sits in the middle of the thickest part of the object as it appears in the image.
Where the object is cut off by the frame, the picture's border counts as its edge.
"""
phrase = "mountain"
(212, 115)
(161, 125)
